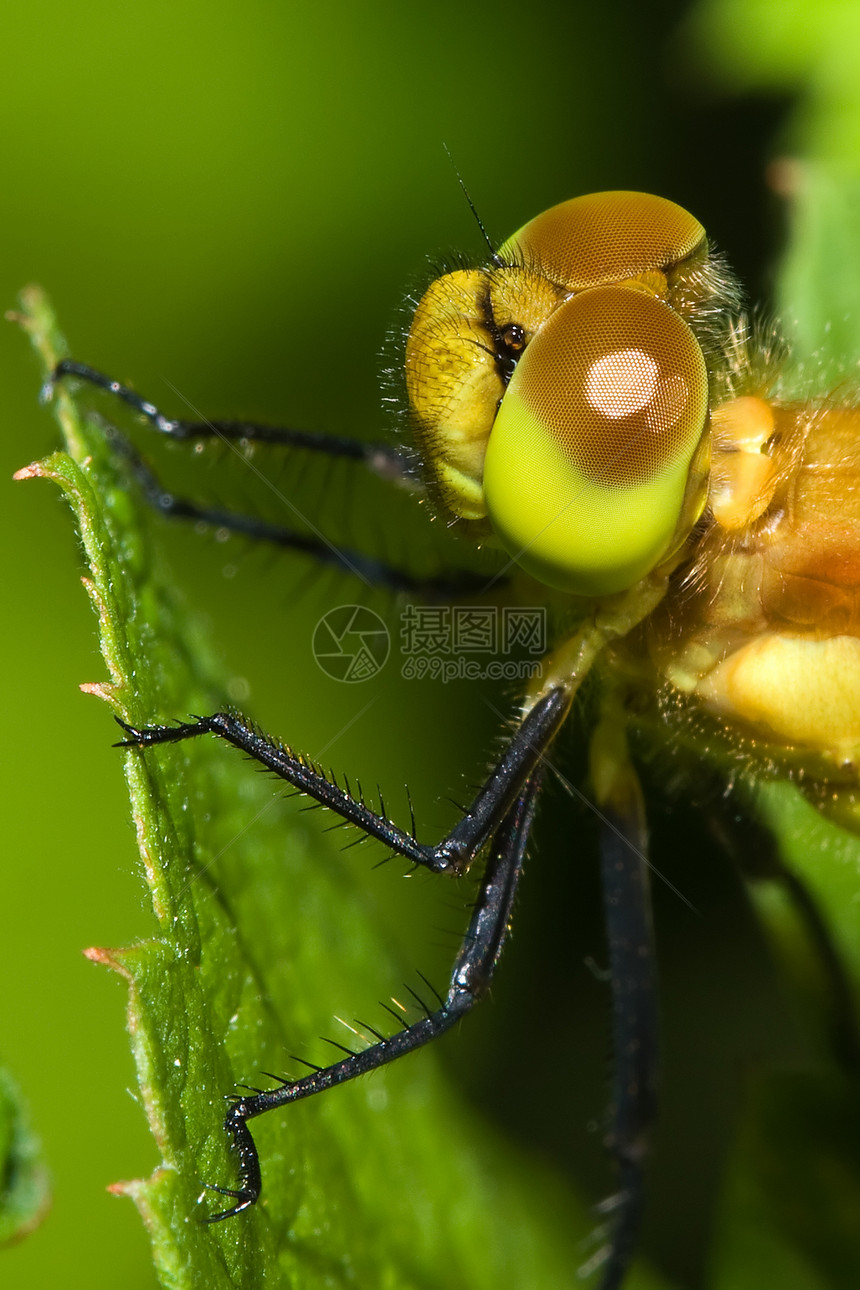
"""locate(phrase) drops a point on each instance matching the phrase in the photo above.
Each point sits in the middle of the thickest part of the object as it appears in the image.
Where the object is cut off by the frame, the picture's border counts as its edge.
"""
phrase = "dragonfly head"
(559, 396)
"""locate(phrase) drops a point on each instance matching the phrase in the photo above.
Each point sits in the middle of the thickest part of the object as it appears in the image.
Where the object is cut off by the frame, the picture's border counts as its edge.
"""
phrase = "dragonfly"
(591, 406)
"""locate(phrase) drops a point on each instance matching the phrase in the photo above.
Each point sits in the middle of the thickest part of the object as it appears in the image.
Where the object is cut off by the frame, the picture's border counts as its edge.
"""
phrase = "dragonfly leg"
(500, 814)
(627, 909)
(470, 979)
(455, 853)
(378, 458)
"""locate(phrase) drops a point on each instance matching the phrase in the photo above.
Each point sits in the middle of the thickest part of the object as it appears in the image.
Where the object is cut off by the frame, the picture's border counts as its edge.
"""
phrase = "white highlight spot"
(621, 383)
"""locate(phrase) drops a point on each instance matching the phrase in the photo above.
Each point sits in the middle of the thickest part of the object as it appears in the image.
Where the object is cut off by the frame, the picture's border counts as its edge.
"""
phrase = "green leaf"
(361, 1186)
(24, 1191)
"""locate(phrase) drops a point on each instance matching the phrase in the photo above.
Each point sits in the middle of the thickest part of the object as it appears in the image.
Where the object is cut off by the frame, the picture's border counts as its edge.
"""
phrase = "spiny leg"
(500, 814)
(455, 853)
(380, 459)
(470, 978)
(629, 932)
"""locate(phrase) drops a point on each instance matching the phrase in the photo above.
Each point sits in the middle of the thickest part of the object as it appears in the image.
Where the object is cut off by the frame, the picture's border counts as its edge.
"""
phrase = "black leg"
(381, 459)
(627, 908)
(470, 979)
(453, 854)
(500, 814)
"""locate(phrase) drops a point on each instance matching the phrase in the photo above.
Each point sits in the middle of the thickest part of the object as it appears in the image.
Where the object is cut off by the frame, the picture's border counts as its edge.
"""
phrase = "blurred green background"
(229, 200)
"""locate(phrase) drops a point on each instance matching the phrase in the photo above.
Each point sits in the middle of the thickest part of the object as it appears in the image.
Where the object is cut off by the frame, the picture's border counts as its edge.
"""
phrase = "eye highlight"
(619, 382)
(513, 338)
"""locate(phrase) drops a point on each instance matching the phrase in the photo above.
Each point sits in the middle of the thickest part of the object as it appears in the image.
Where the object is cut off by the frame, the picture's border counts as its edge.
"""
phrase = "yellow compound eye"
(588, 458)
(603, 238)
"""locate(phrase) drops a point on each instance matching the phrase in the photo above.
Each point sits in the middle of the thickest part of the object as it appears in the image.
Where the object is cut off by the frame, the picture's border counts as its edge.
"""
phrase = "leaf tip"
(34, 471)
(101, 690)
(112, 959)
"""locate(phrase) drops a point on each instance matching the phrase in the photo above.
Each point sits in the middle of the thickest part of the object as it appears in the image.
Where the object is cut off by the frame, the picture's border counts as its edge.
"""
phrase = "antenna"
(497, 260)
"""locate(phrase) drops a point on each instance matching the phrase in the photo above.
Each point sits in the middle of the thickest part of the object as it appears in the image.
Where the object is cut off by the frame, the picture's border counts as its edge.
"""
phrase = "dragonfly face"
(591, 404)
(561, 395)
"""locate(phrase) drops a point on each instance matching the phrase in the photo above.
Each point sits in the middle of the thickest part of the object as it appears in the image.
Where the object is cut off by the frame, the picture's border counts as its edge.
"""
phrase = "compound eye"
(603, 238)
(588, 458)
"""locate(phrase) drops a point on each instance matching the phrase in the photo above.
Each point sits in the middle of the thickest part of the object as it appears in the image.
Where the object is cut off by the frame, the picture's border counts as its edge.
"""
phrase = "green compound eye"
(588, 457)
